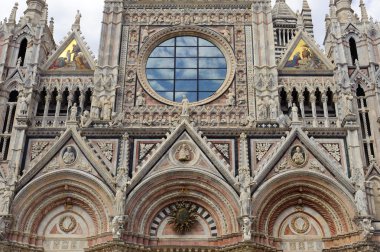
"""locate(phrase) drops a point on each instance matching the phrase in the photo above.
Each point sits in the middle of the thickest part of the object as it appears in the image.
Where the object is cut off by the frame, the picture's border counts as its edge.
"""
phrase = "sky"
(64, 12)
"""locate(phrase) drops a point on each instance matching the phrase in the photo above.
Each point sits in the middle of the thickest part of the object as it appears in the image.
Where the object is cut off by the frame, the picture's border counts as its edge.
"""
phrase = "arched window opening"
(10, 112)
(76, 99)
(13, 96)
(307, 104)
(41, 103)
(295, 100)
(65, 102)
(87, 100)
(353, 50)
(53, 103)
(376, 195)
(330, 103)
(283, 101)
(22, 50)
(319, 103)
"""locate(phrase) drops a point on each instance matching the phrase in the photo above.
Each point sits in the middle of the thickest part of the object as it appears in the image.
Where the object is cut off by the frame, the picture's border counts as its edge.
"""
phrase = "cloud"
(92, 12)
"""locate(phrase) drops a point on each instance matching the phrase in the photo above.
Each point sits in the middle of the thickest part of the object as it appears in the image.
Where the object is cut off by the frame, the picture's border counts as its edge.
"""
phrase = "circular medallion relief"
(298, 156)
(184, 153)
(300, 224)
(69, 155)
(67, 223)
(192, 62)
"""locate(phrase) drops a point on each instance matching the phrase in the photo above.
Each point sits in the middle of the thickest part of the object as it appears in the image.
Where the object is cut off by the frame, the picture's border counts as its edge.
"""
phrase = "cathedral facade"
(202, 126)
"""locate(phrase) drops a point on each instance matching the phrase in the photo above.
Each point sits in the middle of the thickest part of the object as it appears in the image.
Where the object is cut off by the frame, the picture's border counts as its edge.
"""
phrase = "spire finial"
(12, 17)
(363, 10)
(76, 25)
(51, 25)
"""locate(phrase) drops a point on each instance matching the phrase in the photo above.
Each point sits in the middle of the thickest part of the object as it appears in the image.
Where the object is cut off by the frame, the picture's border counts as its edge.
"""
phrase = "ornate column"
(58, 108)
(289, 97)
(337, 112)
(3, 108)
(70, 99)
(301, 100)
(325, 110)
(81, 99)
(313, 109)
(46, 109)
(12, 107)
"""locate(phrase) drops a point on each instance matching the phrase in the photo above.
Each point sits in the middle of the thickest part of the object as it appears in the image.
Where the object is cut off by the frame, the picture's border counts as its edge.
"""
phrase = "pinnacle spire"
(12, 16)
(363, 10)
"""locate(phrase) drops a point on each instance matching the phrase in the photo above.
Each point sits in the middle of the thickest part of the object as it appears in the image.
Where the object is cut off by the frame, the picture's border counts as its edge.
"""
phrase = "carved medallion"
(298, 156)
(69, 155)
(300, 224)
(67, 223)
(184, 153)
(183, 217)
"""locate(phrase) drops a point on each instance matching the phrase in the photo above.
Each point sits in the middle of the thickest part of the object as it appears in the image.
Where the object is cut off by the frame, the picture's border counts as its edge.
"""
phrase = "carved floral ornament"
(67, 223)
(165, 34)
(300, 224)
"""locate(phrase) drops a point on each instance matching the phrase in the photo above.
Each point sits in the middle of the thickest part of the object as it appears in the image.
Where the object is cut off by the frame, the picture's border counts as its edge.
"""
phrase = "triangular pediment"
(373, 171)
(72, 55)
(303, 54)
(70, 151)
(181, 147)
(298, 151)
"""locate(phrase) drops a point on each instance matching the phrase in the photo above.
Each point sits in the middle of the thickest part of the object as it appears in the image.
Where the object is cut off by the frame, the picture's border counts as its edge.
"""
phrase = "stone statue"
(295, 117)
(298, 157)
(120, 198)
(118, 223)
(245, 183)
(230, 98)
(185, 106)
(140, 100)
(273, 109)
(184, 153)
(73, 112)
(5, 225)
(69, 155)
(107, 110)
(367, 228)
(23, 105)
(84, 119)
(350, 104)
(95, 111)
(146, 33)
(361, 201)
(117, 119)
(247, 223)
(5, 196)
(19, 61)
(77, 18)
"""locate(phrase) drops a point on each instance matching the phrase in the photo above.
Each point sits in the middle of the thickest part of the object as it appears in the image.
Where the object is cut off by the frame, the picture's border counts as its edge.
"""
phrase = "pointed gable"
(65, 151)
(184, 135)
(307, 147)
(303, 54)
(72, 55)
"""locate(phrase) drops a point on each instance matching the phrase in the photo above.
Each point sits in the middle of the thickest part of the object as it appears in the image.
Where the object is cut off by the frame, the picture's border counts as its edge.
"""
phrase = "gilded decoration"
(183, 217)
(304, 58)
(163, 35)
(72, 58)
(67, 223)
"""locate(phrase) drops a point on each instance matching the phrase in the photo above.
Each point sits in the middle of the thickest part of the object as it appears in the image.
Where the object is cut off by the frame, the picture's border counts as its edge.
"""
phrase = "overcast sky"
(64, 13)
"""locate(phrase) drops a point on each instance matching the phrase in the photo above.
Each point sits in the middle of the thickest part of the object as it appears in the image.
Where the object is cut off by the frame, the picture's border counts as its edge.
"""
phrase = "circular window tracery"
(192, 61)
(186, 66)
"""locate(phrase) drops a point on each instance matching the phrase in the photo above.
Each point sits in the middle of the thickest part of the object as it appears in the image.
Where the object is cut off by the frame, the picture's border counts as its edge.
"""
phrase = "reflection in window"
(188, 66)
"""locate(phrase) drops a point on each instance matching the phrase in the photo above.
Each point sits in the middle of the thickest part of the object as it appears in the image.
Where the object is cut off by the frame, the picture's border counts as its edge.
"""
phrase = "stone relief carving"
(69, 155)
(262, 149)
(333, 150)
(298, 156)
(144, 149)
(300, 224)
(224, 149)
(361, 201)
(184, 153)
(67, 223)
(106, 149)
(37, 148)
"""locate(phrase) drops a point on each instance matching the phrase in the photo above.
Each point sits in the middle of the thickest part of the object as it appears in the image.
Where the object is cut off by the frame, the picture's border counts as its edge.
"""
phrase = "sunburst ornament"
(183, 217)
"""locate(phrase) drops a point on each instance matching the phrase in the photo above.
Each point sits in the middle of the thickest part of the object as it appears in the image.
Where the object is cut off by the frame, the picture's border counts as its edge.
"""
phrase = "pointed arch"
(353, 50)
(22, 51)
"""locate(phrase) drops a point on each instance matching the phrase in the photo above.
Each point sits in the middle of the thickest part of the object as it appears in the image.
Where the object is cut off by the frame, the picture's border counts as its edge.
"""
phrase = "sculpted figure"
(5, 196)
(77, 18)
(227, 34)
(298, 157)
(118, 223)
(107, 110)
(184, 153)
(245, 183)
(146, 33)
(230, 98)
(73, 112)
(367, 228)
(247, 228)
(185, 106)
(23, 105)
(140, 100)
(117, 119)
(84, 119)
(69, 156)
(120, 198)
(295, 117)
(361, 201)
